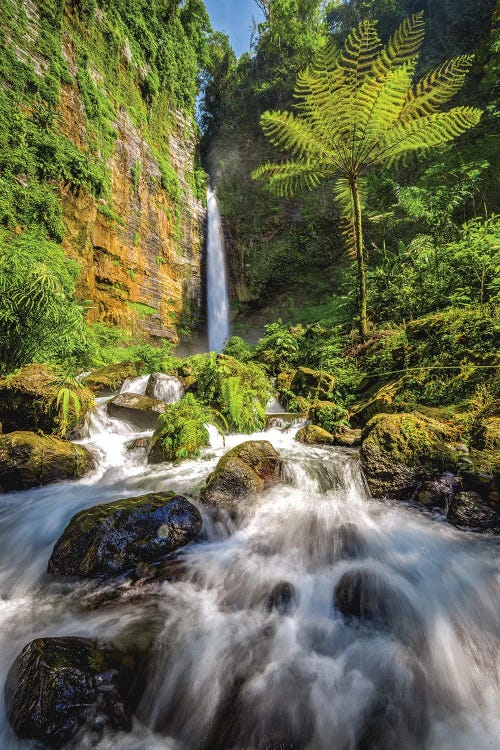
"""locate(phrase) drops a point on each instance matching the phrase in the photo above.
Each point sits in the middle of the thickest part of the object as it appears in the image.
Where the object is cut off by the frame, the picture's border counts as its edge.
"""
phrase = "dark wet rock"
(156, 454)
(140, 411)
(28, 401)
(363, 594)
(110, 539)
(28, 460)
(312, 384)
(438, 492)
(139, 444)
(282, 599)
(244, 471)
(400, 451)
(108, 379)
(347, 437)
(486, 485)
(469, 510)
(312, 435)
(56, 686)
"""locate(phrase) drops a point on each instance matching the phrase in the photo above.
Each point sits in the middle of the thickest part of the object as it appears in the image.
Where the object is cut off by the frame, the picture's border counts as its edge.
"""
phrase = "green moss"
(142, 311)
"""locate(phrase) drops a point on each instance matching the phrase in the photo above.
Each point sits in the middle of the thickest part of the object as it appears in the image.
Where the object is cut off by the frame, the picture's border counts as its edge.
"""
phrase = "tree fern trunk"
(358, 226)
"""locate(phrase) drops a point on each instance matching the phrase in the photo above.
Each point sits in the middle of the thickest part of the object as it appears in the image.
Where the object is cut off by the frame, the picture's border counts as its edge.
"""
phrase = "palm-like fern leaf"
(424, 133)
(436, 88)
(288, 177)
(403, 47)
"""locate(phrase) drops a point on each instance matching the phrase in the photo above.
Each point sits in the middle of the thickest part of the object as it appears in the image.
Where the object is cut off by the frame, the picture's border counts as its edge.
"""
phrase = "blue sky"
(234, 17)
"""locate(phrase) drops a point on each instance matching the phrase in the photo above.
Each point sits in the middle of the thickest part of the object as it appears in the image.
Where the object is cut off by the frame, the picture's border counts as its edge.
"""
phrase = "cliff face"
(139, 241)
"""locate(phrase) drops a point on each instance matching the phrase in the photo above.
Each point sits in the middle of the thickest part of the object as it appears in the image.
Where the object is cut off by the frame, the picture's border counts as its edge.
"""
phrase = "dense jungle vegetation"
(431, 249)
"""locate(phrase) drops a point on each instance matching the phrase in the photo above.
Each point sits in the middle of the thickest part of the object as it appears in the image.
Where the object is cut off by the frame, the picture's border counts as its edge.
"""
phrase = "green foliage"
(358, 109)
(67, 402)
(183, 431)
(40, 317)
(237, 348)
(329, 417)
(239, 391)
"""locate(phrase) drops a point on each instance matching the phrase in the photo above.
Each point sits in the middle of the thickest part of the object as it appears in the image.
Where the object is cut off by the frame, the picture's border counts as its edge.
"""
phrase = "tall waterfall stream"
(217, 285)
(238, 667)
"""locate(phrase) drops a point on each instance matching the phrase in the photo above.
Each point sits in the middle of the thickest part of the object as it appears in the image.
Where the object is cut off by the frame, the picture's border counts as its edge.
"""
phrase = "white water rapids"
(218, 311)
(250, 651)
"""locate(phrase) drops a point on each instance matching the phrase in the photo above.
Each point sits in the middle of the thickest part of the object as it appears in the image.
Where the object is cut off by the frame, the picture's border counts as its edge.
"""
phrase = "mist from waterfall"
(217, 286)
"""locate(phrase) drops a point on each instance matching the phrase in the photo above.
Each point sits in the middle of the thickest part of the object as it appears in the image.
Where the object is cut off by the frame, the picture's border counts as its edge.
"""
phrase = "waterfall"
(217, 286)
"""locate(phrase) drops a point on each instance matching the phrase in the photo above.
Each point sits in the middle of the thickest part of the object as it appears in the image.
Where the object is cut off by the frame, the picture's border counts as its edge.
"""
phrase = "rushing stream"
(250, 651)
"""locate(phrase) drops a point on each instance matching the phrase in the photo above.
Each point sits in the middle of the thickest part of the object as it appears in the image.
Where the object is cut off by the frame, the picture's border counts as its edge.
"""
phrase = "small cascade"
(167, 388)
(217, 285)
(162, 387)
(136, 385)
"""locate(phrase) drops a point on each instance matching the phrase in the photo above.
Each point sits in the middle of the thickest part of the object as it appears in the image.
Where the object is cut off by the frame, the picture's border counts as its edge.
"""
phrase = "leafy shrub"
(183, 430)
(240, 391)
(39, 315)
(237, 348)
(329, 416)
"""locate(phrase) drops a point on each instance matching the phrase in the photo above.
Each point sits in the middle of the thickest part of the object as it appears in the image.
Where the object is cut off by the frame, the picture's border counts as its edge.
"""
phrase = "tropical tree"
(357, 110)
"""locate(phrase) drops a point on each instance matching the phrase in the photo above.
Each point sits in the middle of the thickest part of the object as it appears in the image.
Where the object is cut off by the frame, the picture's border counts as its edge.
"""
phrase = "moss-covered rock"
(244, 471)
(56, 686)
(487, 434)
(140, 411)
(347, 437)
(312, 384)
(107, 540)
(28, 460)
(28, 401)
(399, 450)
(108, 379)
(313, 435)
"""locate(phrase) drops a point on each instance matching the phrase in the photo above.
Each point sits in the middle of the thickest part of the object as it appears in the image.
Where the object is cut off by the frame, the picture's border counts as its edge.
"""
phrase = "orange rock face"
(141, 265)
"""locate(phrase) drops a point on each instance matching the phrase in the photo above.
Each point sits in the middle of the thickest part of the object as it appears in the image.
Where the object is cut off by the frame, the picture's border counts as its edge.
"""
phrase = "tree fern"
(358, 109)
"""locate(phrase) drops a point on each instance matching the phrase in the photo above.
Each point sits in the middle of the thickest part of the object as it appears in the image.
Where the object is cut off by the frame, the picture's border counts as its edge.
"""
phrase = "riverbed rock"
(438, 492)
(347, 437)
(140, 411)
(244, 471)
(56, 686)
(400, 451)
(28, 401)
(313, 435)
(107, 380)
(469, 510)
(110, 539)
(312, 384)
(28, 460)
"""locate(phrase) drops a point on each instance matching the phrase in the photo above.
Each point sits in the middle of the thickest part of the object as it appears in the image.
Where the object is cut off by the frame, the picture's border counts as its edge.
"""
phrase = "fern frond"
(403, 47)
(361, 49)
(436, 88)
(295, 135)
(289, 177)
(424, 133)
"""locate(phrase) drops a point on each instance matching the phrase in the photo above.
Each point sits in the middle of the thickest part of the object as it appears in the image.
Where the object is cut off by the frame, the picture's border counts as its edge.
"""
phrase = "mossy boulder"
(28, 460)
(243, 472)
(381, 401)
(56, 686)
(399, 451)
(487, 434)
(110, 539)
(108, 379)
(347, 437)
(28, 401)
(140, 411)
(312, 384)
(313, 435)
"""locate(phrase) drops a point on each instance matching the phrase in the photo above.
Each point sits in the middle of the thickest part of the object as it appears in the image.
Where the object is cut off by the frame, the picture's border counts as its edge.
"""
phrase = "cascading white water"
(164, 387)
(251, 649)
(218, 310)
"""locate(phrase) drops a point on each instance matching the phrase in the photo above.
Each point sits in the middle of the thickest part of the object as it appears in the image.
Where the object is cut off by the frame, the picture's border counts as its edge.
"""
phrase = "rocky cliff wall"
(138, 242)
